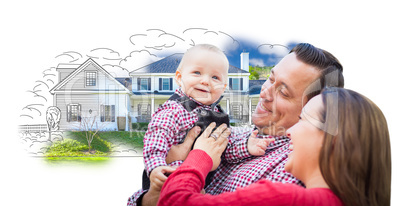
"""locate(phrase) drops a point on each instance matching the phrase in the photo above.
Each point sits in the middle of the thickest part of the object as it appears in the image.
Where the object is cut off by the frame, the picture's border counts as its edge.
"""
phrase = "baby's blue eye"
(197, 73)
(215, 77)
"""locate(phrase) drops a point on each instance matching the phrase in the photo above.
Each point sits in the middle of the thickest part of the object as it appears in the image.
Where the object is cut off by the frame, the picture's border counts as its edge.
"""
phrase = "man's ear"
(178, 78)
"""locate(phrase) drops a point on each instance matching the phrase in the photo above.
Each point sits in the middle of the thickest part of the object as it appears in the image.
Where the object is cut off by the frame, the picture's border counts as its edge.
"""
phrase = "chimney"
(66, 69)
(244, 61)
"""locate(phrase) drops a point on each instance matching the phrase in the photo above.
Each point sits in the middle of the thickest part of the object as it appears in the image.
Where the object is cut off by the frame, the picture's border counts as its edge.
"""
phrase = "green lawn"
(74, 147)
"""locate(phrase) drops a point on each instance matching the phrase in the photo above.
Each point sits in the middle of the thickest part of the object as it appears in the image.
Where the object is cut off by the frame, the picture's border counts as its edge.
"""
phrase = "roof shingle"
(169, 65)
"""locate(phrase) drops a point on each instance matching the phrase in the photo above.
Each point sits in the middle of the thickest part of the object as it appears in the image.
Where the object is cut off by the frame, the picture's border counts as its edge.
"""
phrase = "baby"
(202, 76)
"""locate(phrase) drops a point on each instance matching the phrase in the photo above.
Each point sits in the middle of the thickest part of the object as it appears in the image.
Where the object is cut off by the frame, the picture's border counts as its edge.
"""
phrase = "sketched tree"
(91, 127)
(53, 115)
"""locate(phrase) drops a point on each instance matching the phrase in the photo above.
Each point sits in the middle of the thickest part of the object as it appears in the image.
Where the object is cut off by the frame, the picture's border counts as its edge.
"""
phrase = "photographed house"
(89, 90)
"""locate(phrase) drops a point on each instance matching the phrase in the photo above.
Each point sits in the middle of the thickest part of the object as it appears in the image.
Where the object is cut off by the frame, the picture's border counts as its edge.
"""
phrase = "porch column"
(227, 106)
(127, 97)
(152, 104)
(249, 111)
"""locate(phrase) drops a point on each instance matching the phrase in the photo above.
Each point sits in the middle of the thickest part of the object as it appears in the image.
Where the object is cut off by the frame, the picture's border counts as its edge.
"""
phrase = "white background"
(364, 36)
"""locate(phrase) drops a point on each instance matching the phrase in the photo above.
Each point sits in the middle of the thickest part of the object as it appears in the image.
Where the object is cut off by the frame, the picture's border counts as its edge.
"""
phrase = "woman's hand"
(180, 151)
(213, 143)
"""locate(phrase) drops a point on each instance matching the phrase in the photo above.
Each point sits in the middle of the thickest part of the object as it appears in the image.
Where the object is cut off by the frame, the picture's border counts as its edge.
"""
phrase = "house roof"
(68, 66)
(255, 86)
(125, 81)
(169, 65)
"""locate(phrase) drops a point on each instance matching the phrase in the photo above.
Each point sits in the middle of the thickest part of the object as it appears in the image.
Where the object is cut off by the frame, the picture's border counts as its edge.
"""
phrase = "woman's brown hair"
(355, 159)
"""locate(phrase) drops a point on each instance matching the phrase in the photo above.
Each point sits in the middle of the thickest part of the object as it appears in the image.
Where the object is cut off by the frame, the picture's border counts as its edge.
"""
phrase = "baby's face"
(203, 76)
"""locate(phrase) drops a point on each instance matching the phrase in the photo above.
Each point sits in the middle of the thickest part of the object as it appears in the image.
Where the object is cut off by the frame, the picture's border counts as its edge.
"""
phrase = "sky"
(38, 35)
(146, 46)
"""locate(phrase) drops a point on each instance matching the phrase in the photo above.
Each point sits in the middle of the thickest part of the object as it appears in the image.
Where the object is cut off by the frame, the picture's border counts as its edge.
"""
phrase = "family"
(315, 143)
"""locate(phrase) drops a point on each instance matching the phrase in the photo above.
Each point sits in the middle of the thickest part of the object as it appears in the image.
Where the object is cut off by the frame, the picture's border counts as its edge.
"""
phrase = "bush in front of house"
(139, 126)
(67, 147)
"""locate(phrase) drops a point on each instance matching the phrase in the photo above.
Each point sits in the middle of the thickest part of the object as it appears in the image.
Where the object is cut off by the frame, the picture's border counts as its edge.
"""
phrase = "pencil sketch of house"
(88, 89)
(118, 102)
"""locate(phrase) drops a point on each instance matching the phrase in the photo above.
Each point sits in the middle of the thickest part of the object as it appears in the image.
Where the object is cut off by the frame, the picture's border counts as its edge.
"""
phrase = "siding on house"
(92, 102)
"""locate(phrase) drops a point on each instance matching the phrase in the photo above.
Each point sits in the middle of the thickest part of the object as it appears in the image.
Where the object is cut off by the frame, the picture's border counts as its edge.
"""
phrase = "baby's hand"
(257, 146)
(158, 176)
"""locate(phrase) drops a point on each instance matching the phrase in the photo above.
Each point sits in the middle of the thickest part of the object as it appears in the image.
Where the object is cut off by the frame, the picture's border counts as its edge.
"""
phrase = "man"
(299, 76)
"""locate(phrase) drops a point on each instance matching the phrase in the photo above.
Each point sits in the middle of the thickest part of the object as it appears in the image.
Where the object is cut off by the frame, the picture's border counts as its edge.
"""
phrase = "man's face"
(281, 95)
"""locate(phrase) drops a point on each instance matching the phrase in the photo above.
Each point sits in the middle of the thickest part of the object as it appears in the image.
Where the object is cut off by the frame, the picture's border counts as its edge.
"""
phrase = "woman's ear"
(178, 78)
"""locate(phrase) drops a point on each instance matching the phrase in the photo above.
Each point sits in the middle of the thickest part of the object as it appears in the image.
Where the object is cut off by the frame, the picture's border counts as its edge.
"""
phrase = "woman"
(341, 151)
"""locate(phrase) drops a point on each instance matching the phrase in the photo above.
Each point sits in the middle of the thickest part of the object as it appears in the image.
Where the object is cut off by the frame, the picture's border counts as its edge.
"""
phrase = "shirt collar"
(180, 92)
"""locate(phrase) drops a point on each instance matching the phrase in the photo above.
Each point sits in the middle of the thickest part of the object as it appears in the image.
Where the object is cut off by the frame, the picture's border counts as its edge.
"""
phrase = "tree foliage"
(257, 72)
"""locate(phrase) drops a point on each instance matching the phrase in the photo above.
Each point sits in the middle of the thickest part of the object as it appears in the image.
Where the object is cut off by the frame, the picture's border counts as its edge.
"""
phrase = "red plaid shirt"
(168, 127)
(230, 176)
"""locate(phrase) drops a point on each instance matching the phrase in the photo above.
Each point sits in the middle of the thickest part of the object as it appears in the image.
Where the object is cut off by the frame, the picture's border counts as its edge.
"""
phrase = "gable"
(89, 76)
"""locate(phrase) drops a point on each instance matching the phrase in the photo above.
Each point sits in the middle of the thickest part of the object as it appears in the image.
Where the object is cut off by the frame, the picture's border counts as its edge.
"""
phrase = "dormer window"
(90, 78)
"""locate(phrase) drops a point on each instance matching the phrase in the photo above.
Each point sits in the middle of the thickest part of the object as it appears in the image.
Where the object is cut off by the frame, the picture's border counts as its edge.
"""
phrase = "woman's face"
(306, 140)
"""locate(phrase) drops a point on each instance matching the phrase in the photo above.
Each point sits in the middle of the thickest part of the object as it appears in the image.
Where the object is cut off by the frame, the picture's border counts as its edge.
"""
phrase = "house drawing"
(88, 89)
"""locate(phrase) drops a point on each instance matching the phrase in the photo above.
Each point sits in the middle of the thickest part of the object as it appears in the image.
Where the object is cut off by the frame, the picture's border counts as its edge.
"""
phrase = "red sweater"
(184, 185)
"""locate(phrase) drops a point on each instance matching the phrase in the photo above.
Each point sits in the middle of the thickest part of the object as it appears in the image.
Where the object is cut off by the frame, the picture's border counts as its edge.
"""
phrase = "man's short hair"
(331, 70)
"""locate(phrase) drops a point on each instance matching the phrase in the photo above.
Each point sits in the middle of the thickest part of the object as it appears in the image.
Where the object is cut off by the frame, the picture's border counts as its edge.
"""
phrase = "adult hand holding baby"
(213, 143)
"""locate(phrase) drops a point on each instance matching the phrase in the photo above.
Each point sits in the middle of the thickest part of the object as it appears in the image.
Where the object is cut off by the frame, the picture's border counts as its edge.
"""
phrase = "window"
(144, 112)
(74, 113)
(144, 109)
(236, 83)
(90, 79)
(236, 110)
(144, 84)
(107, 113)
(165, 83)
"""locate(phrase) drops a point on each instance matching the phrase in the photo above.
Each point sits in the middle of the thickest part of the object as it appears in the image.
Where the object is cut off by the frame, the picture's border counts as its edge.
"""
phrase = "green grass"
(131, 139)
(74, 147)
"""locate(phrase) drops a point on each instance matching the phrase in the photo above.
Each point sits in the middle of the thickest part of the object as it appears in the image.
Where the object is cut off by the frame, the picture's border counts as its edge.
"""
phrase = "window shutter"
(139, 109)
(230, 83)
(171, 84)
(241, 84)
(68, 113)
(102, 111)
(160, 84)
(149, 83)
(79, 113)
(138, 84)
(113, 113)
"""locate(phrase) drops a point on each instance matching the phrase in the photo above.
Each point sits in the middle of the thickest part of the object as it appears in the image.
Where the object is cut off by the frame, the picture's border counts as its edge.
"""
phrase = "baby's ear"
(178, 78)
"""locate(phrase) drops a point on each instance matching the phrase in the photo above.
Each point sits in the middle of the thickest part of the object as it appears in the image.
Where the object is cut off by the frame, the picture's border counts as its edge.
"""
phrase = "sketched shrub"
(53, 115)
